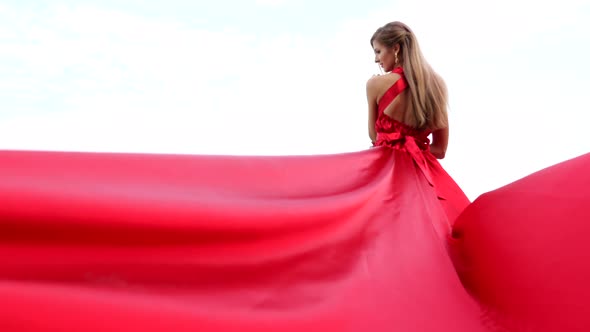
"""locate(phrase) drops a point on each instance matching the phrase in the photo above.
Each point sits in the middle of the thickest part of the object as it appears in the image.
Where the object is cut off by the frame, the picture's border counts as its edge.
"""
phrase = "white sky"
(283, 77)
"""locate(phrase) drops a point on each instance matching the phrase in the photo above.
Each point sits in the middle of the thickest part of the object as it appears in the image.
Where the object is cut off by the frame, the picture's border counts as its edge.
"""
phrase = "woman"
(422, 105)
(408, 104)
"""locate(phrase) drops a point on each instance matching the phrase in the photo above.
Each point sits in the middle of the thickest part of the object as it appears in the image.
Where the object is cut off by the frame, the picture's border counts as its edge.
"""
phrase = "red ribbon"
(410, 144)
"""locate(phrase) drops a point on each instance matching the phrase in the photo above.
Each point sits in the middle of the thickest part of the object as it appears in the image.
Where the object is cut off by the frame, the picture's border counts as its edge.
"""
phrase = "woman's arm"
(440, 140)
(372, 102)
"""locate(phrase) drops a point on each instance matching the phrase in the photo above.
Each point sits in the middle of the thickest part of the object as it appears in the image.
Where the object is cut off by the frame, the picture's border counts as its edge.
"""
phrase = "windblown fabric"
(525, 250)
(102, 242)
(348, 242)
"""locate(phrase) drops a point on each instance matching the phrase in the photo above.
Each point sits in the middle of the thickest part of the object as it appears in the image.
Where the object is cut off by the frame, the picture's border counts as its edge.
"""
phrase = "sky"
(287, 77)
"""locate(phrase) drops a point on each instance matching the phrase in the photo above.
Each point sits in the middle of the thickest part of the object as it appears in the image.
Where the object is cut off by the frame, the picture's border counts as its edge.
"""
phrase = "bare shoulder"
(378, 83)
(373, 81)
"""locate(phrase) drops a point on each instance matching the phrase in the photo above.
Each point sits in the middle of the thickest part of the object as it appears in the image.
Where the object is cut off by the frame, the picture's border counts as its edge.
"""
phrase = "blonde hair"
(428, 90)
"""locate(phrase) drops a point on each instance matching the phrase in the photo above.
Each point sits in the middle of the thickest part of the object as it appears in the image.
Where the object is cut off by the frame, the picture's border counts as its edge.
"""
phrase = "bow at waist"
(415, 146)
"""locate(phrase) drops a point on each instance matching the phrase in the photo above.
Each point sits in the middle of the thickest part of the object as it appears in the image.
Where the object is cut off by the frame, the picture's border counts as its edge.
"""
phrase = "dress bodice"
(393, 132)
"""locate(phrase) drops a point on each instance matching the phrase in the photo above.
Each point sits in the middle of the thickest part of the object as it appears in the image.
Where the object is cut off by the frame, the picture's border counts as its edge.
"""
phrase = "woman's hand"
(440, 140)
(437, 152)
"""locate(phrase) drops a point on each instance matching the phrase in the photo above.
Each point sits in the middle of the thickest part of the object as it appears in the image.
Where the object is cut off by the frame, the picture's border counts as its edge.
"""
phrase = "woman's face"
(384, 56)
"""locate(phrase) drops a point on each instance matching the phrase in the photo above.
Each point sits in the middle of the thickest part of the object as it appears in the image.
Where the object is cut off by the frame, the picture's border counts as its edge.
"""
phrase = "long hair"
(428, 90)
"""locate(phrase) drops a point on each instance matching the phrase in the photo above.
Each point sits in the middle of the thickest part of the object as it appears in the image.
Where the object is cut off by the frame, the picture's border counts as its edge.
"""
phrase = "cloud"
(105, 73)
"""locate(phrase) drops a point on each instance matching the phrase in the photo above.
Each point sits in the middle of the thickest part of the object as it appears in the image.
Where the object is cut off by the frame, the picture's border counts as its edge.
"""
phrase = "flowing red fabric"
(136, 242)
(347, 242)
(525, 250)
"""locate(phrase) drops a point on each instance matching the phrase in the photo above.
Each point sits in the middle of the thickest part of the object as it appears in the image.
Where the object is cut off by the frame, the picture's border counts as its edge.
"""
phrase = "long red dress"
(346, 242)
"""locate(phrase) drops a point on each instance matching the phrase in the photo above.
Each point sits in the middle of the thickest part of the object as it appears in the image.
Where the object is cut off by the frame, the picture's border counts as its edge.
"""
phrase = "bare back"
(400, 108)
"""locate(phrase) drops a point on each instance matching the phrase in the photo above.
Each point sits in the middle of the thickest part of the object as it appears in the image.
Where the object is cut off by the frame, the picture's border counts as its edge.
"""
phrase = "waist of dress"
(415, 146)
(399, 139)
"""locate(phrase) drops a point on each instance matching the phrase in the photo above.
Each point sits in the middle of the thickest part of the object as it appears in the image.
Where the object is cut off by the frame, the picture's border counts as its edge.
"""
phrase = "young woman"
(411, 98)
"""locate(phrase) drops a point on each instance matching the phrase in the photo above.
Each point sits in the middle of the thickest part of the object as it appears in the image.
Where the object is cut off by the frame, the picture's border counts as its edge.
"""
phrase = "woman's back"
(393, 100)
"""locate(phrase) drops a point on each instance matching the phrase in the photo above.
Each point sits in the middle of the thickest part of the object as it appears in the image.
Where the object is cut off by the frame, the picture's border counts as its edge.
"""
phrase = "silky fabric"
(136, 242)
(525, 251)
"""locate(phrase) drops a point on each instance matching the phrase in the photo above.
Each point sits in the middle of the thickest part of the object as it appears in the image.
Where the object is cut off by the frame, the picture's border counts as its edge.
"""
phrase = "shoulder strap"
(394, 90)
